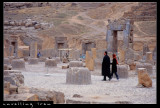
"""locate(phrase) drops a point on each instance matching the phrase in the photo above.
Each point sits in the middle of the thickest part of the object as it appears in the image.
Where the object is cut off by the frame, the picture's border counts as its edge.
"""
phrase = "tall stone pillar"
(33, 50)
(109, 40)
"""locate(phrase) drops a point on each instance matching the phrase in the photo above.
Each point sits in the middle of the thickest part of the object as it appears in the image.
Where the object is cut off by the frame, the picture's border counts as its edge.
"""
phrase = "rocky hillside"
(81, 21)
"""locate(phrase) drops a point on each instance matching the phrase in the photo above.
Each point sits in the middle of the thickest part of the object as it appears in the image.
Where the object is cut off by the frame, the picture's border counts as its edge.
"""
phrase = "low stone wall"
(78, 75)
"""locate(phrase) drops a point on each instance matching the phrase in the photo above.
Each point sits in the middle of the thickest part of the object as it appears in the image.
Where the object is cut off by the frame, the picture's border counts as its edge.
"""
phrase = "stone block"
(65, 67)
(42, 59)
(18, 64)
(78, 75)
(58, 60)
(50, 63)
(143, 78)
(122, 71)
(75, 64)
(6, 61)
(15, 77)
(33, 61)
(148, 66)
(13, 89)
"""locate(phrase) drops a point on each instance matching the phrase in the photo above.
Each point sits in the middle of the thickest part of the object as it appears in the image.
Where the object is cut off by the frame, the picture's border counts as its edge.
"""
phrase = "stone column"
(109, 40)
(33, 50)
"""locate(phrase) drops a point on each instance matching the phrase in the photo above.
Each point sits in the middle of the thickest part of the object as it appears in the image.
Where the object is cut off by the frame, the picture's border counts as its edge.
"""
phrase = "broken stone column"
(143, 78)
(50, 63)
(18, 64)
(33, 61)
(33, 50)
(78, 75)
(122, 71)
(75, 64)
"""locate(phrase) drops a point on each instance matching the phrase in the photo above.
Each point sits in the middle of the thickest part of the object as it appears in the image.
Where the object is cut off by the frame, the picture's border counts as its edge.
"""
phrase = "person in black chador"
(106, 67)
(114, 67)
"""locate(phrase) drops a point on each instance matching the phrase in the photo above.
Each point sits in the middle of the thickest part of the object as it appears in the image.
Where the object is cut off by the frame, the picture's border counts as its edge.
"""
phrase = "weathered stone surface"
(37, 26)
(143, 78)
(57, 97)
(50, 63)
(58, 60)
(145, 49)
(6, 61)
(5, 67)
(94, 55)
(98, 64)
(65, 60)
(149, 57)
(13, 89)
(122, 71)
(6, 87)
(78, 75)
(21, 97)
(33, 49)
(42, 59)
(33, 61)
(137, 57)
(148, 66)
(89, 61)
(65, 67)
(75, 64)
(18, 64)
(15, 77)
(132, 64)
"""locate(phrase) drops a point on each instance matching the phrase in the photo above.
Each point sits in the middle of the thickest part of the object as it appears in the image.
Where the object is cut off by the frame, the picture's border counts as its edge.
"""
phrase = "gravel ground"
(124, 89)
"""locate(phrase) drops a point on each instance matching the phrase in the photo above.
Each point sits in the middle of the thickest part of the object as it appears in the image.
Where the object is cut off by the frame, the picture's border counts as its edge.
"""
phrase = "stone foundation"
(78, 75)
